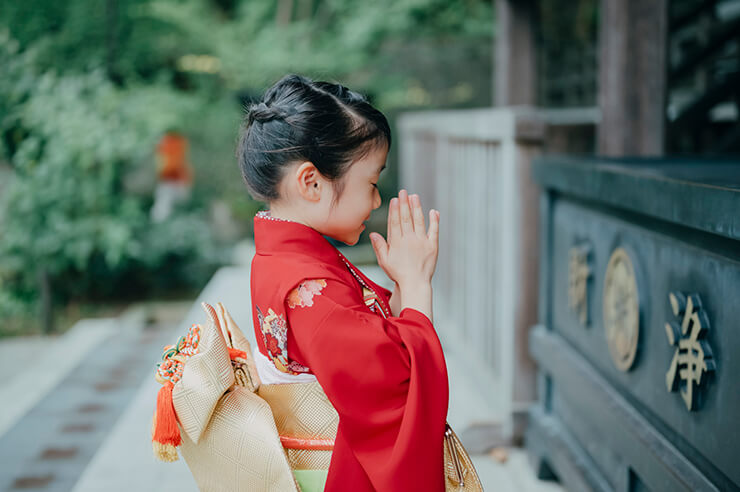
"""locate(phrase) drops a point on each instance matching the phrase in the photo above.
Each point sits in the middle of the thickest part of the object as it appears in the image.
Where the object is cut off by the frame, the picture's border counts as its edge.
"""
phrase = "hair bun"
(262, 112)
(321, 122)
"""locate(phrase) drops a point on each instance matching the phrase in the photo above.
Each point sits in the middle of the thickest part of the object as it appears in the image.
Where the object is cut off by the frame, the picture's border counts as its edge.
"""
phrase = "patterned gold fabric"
(240, 449)
(308, 459)
(460, 474)
(231, 431)
(302, 410)
(229, 438)
(205, 377)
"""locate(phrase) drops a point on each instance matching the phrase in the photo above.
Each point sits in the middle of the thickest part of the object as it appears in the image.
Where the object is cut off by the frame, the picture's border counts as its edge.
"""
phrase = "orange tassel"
(166, 435)
(234, 353)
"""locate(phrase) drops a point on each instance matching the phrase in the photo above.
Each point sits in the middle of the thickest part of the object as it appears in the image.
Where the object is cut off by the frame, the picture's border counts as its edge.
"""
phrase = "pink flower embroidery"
(303, 294)
(297, 368)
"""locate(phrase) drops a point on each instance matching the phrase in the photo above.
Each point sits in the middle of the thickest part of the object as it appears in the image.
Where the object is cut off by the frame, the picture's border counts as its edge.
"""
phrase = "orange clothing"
(172, 159)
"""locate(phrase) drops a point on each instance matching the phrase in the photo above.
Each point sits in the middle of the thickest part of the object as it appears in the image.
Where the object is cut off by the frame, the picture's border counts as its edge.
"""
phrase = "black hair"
(303, 120)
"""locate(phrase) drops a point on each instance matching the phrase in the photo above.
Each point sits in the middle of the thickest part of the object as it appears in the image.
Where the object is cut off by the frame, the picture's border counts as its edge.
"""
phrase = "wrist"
(410, 285)
(415, 294)
(418, 297)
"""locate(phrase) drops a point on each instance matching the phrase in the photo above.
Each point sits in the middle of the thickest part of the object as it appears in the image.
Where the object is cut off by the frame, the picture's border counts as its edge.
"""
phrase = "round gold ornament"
(621, 309)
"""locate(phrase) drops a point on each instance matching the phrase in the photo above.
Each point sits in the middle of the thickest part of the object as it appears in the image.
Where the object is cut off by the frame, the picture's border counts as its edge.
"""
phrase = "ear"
(310, 181)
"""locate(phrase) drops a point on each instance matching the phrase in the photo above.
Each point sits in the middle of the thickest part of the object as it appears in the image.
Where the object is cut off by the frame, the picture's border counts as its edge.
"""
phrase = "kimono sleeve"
(386, 378)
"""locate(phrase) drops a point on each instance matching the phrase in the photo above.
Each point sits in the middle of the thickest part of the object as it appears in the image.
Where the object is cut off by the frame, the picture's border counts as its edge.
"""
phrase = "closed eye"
(375, 185)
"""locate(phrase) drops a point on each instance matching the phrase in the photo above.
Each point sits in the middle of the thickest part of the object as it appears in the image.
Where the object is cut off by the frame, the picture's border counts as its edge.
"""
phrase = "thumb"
(379, 246)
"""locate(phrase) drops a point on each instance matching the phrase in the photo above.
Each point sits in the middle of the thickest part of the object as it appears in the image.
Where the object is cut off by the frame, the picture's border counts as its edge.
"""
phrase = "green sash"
(311, 480)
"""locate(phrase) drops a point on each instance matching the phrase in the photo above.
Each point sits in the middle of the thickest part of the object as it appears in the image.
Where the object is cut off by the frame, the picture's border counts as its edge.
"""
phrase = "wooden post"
(515, 67)
(632, 77)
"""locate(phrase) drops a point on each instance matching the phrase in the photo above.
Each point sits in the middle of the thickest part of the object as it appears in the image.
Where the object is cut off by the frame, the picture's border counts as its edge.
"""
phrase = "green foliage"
(393, 49)
(84, 35)
(348, 40)
(71, 140)
(89, 87)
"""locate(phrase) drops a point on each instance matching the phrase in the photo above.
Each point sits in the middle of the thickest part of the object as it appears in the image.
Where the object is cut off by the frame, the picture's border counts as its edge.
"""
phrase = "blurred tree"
(348, 40)
(404, 54)
(70, 140)
(253, 43)
(88, 87)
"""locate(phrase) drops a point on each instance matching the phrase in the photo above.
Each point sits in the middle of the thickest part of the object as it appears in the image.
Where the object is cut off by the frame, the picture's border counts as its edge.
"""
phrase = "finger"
(418, 215)
(407, 224)
(433, 233)
(380, 247)
(394, 221)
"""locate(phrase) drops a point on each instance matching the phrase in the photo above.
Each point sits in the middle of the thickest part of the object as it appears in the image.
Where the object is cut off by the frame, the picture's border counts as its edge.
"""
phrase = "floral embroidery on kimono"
(385, 375)
(275, 335)
(303, 294)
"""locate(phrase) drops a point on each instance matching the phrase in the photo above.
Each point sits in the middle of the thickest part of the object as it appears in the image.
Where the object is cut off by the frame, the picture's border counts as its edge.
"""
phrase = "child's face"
(359, 197)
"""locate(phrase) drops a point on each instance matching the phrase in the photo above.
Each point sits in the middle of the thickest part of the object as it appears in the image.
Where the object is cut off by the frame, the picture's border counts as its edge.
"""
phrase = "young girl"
(313, 151)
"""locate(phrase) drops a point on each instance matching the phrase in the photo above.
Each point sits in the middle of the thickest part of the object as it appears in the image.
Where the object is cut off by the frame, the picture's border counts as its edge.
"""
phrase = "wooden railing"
(473, 166)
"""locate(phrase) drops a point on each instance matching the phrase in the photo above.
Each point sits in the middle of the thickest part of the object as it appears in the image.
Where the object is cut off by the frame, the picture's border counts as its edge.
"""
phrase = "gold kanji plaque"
(621, 306)
(579, 278)
(692, 358)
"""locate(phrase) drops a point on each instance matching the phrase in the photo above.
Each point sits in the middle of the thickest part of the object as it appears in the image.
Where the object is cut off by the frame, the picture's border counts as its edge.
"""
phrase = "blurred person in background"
(174, 175)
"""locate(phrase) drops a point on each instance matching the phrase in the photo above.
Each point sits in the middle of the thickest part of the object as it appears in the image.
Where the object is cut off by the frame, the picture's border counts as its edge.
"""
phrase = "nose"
(377, 200)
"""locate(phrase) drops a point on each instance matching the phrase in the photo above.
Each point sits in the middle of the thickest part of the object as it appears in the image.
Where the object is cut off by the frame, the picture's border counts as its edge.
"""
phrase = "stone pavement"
(24, 382)
(82, 382)
(90, 430)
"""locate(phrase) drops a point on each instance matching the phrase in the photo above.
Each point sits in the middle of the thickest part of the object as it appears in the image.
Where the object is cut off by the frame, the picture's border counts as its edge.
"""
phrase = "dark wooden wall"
(632, 71)
(632, 82)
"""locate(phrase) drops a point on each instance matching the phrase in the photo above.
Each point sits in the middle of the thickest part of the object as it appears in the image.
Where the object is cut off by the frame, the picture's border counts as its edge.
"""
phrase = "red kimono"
(316, 313)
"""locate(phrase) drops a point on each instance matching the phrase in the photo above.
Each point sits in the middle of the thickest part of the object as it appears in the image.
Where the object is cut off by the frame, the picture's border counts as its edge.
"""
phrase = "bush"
(68, 223)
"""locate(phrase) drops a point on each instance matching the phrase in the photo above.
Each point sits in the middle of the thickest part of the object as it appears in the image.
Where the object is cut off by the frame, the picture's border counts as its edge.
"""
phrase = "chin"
(351, 242)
